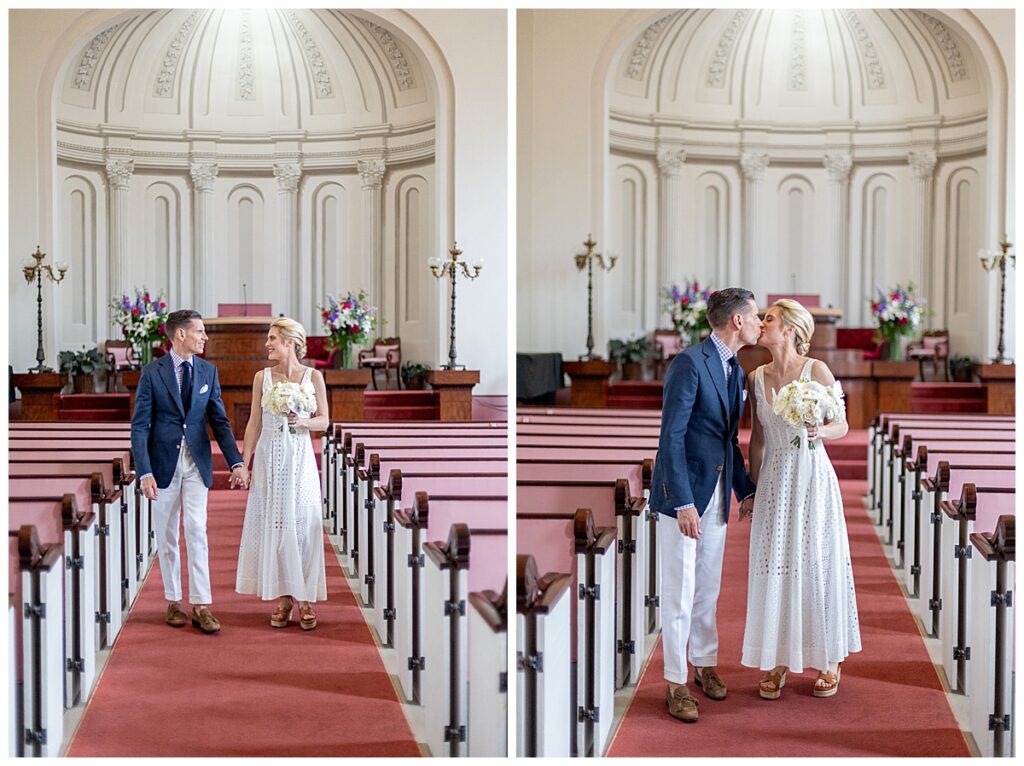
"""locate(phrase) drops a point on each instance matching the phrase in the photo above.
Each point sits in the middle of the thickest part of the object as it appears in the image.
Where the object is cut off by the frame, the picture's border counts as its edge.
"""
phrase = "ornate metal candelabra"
(35, 271)
(990, 259)
(586, 257)
(450, 268)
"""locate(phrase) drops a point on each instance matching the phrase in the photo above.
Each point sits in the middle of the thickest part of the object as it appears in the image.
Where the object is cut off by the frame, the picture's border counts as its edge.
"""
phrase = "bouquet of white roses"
(806, 402)
(286, 397)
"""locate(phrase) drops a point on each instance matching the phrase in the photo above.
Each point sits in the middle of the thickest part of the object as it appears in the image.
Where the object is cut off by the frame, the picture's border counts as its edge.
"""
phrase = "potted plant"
(81, 367)
(414, 375)
(961, 368)
(631, 354)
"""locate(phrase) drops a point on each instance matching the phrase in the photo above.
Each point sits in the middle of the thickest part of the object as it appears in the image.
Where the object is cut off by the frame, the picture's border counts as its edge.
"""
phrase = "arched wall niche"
(938, 85)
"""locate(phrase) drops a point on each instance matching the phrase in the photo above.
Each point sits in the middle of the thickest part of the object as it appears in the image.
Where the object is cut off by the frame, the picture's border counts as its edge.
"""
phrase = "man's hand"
(689, 522)
(746, 508)
(149, 488)
(240, 477)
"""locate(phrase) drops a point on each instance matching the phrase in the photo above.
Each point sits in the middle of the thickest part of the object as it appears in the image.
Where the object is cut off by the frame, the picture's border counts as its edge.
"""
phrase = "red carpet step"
(94, 407)
(890, 701)
(250, 690)
(399, 405)
(948, 397)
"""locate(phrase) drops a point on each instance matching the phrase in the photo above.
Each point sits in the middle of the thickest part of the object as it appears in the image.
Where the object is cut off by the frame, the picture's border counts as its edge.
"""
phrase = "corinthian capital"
(753, 166)
(287, 175)
(670, 160)
(203, 175)
(838, 166)
(372, 173)
(922, 164)
(119, 172)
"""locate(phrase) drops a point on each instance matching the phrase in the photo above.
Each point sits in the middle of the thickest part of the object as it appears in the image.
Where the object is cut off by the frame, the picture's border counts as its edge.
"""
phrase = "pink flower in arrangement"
(346, 305)
(161, 330)
(685, 301)
(163, 305)
(135, 311)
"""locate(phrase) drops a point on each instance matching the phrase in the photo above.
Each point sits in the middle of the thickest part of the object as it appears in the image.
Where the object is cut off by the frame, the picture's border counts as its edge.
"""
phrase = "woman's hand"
(812, 432)
(295, 421)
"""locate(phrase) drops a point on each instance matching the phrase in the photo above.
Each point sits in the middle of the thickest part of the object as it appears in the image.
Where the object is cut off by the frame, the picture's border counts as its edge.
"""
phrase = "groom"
(699, 461)
(177, 395)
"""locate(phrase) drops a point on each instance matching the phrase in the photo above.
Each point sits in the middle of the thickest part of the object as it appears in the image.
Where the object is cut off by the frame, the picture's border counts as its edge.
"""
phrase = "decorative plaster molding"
(644, 46)
(321, 77)
(670, 160)
(169, 68)
(753, 166)
(947, 44)
(798, 54)
(203, 175)
(876, 78)
(371, 172)
(399, 64)
(119, 173)
(922, 164)
(288, 175)
(246, 66)
(91, 57)
(716, 71)
(838, 166)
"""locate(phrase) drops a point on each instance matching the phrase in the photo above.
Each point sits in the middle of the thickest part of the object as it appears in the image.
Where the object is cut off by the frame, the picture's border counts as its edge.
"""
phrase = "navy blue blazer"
(699, 438)
(160, 421)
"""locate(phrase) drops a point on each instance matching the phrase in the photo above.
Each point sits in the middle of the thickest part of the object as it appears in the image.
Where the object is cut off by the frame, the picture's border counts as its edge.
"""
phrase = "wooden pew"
(39, 593)
(472, 558)
(991, 634)
(544, 678)
(488, 672)
(981, 498)
(567, 541)
(487, 508)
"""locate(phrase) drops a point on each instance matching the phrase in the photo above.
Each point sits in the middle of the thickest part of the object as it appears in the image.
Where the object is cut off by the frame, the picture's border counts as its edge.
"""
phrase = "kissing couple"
(801, 604)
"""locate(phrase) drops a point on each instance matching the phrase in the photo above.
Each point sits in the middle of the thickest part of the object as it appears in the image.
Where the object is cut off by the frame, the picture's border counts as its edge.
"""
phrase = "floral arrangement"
(349, 321)
(287, 397)
(688, 308)
(142, 320)
(806, 402)
(898, 312)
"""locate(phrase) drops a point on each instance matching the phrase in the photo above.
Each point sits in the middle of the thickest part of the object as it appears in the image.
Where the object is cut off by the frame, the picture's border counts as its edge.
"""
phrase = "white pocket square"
(206, 388)
(743, 393)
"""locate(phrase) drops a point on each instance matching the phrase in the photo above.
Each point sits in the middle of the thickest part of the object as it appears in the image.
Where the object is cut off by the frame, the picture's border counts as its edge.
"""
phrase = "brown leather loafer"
(176, 616)
(681, 704)
(708, 680)
(204, 620)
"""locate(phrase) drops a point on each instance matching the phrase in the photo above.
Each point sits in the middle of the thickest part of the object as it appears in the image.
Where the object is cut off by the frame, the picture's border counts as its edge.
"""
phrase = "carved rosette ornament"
(288, 175)
(203, 175)
(119, 173)
(838, 166)
(922, 164)
(371, 172)
(753, 166)
(670, 160)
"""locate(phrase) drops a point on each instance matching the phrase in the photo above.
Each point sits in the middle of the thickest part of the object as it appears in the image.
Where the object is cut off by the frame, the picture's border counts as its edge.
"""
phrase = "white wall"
(559, 167)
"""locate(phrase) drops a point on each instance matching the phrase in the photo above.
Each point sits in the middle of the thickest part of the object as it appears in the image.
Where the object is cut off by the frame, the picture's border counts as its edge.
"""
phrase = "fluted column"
(753, 167)
(670, 253)
(288, 175)
(922, 166)
(838, 166)
(372, 174)
(119, 173)
(204, 174)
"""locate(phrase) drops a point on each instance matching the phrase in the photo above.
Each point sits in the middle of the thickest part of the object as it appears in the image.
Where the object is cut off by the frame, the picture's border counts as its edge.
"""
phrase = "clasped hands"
(239, 477)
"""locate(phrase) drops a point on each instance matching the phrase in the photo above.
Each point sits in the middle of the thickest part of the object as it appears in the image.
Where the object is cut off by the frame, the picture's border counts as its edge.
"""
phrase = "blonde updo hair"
(292, 330)
(794, 315)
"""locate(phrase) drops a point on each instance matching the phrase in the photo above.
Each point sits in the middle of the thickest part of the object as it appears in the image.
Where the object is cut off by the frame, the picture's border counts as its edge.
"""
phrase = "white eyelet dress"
(801, 604)
(282, 548)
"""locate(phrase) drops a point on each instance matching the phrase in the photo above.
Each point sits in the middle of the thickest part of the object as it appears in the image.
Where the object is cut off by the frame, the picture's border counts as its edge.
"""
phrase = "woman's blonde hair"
(292, 330)
(794, 315)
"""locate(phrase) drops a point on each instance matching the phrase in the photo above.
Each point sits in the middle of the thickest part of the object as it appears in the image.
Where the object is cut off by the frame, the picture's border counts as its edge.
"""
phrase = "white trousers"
(691, 577)
(187, 494)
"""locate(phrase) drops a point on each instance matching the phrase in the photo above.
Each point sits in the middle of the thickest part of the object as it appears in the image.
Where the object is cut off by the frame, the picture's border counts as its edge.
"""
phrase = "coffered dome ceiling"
(256, 71)
(791, 68)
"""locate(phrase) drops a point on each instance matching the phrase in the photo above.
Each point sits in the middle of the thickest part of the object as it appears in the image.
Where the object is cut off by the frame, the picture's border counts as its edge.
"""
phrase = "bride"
(282, 551)
(801, 604)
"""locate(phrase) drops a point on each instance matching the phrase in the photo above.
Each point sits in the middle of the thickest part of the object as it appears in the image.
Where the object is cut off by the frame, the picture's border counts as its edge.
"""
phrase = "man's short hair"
(724, 303)
(178, 319)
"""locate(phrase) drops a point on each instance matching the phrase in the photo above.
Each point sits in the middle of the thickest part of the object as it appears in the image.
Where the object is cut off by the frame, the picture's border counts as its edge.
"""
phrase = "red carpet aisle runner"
(890, 702)
(250, 690)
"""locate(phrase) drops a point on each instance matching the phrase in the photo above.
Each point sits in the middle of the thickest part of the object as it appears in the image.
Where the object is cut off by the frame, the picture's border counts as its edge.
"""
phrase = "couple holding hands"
(282, 552)
(801, 605)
